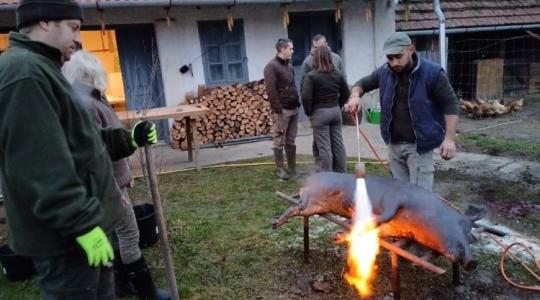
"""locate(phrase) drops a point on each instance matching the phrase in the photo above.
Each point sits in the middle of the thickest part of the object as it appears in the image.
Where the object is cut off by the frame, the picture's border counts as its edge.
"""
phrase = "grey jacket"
(104, 115)
(307, 65)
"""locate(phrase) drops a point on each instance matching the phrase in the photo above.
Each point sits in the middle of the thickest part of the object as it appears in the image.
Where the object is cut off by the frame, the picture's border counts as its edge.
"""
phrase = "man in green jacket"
(60, 195)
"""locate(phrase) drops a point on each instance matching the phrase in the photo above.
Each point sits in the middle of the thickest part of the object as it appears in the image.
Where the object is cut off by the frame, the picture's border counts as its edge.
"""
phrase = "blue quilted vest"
(428, 119)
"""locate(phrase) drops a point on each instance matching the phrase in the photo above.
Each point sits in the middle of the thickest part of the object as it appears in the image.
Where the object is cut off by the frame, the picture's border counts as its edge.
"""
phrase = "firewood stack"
(478, 109)
(236, 111)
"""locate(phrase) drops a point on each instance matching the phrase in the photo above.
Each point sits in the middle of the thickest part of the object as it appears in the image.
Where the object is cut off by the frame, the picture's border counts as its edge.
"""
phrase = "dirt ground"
(524, 124)
(515, 205)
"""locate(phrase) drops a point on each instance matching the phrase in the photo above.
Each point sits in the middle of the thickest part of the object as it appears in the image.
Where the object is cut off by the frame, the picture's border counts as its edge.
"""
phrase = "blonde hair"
(86, 68)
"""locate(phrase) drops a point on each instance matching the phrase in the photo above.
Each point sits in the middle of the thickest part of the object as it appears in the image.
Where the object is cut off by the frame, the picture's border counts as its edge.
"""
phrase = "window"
(223, 52)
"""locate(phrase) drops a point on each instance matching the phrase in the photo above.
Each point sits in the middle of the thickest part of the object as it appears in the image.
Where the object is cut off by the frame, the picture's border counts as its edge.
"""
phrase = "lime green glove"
(97, 247)
(143, 133)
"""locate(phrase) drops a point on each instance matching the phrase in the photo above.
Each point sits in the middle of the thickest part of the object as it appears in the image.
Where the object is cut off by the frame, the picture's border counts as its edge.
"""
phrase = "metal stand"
(395, 251)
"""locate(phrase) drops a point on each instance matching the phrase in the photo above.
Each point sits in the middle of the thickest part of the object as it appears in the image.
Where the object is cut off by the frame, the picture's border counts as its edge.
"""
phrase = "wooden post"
(306, 240)
(164, 237)
(394, 276)
(195, 142)
(189, 131)
(455, 273)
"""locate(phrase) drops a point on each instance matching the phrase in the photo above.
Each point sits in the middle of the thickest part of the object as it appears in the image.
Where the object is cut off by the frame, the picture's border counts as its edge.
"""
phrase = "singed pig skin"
(400, 208)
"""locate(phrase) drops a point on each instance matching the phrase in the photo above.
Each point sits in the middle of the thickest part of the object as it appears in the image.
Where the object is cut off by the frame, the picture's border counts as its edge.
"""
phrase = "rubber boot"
(290, 151)
(139, 275)
(122, 285)
(280, 170)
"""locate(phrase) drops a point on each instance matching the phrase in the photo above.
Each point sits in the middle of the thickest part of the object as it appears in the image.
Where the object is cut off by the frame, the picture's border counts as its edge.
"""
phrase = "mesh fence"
(493, 68)
(491, 65)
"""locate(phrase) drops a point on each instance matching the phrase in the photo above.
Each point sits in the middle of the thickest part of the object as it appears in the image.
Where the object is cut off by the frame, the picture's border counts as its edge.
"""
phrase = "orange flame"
(363, 244)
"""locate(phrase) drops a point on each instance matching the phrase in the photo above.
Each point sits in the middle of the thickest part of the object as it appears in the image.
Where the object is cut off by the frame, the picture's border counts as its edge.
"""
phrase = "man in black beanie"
(60, 196)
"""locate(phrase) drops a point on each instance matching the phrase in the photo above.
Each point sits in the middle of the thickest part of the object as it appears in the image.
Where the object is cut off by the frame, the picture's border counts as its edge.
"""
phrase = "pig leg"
(468, 261)
(459, 251)
(289, 213)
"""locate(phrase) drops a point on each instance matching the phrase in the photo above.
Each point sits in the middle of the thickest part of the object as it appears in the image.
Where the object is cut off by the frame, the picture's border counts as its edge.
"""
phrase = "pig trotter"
(289, 213)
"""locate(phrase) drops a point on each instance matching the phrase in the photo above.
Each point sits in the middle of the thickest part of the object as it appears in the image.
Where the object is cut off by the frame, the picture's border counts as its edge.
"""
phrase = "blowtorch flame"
(363, 243)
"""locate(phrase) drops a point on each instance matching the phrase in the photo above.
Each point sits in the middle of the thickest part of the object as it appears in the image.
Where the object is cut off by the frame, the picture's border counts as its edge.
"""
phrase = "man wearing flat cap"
(60, 196)
(419, 110)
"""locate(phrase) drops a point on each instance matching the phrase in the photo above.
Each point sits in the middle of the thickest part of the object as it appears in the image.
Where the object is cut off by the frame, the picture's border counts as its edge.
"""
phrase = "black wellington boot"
(139, 274)
(122, 285)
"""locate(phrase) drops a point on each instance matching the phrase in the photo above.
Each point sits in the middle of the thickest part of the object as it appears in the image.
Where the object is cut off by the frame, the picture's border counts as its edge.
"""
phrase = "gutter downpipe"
(442, 33)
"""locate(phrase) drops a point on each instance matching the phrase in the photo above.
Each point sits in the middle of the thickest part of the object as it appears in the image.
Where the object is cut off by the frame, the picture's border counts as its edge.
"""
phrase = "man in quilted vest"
(419, 110)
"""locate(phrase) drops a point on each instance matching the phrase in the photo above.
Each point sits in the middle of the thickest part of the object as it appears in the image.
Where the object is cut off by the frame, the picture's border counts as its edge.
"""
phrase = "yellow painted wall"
(3, 41)
(104, 47)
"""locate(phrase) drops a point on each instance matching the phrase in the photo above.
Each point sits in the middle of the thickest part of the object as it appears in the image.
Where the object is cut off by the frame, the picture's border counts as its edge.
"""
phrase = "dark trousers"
(326, 125)
(69, 276)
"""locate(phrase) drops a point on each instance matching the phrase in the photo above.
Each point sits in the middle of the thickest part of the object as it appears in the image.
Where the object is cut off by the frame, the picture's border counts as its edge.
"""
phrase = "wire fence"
(492, 65)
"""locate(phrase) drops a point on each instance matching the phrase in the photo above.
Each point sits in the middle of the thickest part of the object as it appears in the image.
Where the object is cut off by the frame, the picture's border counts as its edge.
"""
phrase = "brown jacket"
(280, 86)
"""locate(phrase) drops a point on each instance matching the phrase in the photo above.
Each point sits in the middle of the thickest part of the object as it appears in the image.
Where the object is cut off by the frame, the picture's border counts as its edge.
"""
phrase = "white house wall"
(179, 44)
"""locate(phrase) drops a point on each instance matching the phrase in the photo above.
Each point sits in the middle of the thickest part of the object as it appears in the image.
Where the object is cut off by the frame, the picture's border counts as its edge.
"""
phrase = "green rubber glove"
(97, 247)
(143, 133)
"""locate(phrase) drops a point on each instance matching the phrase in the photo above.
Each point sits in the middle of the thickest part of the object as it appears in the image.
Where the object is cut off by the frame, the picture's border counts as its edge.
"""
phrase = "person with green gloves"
(131, 274)
(60, 196)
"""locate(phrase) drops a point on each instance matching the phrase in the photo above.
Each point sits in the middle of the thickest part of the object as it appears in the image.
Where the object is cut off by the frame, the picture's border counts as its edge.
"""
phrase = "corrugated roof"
(11, 4)
(465, 14)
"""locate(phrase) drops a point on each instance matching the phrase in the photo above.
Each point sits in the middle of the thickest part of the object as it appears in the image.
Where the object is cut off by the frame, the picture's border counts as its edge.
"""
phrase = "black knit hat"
(32, 11)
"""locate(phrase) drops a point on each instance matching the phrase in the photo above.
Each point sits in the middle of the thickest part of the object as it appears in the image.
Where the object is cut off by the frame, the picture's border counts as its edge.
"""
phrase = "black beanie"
(33, 11)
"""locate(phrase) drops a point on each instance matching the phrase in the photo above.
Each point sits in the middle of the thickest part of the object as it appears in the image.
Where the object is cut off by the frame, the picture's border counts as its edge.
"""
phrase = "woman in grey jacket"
(324, 92)
(89, 80)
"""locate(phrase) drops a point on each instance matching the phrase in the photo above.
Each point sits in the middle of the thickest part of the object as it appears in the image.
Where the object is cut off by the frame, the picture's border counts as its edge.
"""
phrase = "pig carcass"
(401, 210)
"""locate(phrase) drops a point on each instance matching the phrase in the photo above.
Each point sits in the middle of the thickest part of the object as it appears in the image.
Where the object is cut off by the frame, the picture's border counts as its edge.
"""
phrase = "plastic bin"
(16, 267)
(146, 221)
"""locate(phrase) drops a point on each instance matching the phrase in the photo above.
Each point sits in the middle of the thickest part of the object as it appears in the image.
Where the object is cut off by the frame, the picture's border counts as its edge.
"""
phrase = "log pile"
(236, 111)
(478, 109)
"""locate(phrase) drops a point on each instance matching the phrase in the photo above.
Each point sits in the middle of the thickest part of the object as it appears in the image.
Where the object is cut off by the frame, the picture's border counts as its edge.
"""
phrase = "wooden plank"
(489, 78)
(159, 113)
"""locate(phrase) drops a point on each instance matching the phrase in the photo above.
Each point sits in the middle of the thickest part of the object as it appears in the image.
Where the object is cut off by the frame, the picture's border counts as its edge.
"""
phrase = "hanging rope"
(101, 17)
(230, 18)
(368, 13)
(285, 12)
(167, 13)
(337, 12)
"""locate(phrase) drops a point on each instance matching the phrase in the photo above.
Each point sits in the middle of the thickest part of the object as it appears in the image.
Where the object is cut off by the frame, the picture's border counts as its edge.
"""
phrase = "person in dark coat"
(284, 103)
(60, 196)
(324, 92)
